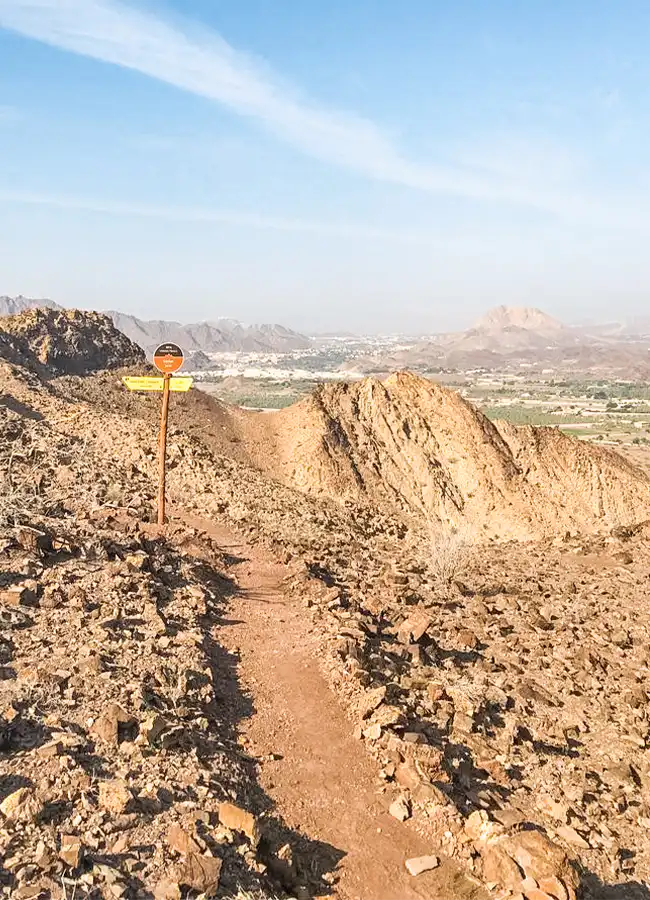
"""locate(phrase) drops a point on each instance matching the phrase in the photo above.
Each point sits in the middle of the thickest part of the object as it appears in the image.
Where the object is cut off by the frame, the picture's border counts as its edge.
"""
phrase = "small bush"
(448, 553)
(20, 482)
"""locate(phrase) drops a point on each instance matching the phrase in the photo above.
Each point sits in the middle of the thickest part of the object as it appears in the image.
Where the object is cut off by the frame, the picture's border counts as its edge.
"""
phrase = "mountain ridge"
(411, 445)
(222, 335)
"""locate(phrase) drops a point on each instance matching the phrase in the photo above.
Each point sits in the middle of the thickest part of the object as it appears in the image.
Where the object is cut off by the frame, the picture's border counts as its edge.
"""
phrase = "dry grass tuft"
(448, 553)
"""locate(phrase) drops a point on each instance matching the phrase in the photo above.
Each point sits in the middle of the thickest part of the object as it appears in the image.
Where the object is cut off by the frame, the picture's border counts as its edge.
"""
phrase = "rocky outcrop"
(67, 342)
(409, 444)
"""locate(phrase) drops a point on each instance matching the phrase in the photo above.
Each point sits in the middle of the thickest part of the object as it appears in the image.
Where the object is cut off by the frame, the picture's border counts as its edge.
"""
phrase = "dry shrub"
(448, 553)
(21, 478)
(32, 472)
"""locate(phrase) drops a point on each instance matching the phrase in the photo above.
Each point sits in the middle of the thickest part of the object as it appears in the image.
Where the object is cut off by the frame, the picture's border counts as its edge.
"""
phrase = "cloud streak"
(201, 62)
(208, 216)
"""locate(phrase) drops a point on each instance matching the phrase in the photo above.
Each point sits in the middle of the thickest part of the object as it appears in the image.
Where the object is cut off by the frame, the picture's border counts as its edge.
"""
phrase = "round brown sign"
(168, 358)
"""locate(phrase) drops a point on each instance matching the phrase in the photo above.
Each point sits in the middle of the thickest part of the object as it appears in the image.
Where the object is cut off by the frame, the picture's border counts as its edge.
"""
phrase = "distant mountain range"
(197, 340)
(11, 306)
(506, 337)
(221, 336)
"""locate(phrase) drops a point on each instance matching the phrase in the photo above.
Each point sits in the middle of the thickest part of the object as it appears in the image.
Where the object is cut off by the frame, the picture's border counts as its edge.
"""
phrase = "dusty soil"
(319, 776)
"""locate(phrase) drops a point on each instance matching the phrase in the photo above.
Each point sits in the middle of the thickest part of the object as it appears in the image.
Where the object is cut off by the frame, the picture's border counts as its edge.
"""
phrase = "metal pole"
(162, 449)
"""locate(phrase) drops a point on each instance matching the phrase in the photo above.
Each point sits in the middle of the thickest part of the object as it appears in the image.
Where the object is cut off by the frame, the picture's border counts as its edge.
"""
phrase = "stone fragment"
(475, 824)
(370, 701)
(201, 873)
(413, 628)
(91, 665)
(534, 893)
(53, 748)
(414, 737)
(231, 816)
(137, 562)
(420, 864)
(467, 640)
(14, 596)
(152, 727)
(30, 891)
(71, 850)
(372, 732)
(435, 691)
(167, 889)
(10, 713)
(530, 852)
(554, 887)
(114, 796)
(21, 806)
(498, 867)
(180, 841)
(399, 809)
(407, 775)
(107, 726)
(571, 836)
(387, 715)
(43, 857)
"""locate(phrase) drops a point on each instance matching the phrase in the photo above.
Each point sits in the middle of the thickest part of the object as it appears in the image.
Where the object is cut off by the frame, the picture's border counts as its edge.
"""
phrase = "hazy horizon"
(356, 167)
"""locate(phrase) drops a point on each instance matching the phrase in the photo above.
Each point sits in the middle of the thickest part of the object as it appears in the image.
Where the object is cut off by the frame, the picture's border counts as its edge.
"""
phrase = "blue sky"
(356, 164)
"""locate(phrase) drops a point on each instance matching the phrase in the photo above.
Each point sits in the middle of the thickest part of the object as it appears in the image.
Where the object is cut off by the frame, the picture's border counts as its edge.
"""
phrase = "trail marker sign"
(168, 358)
(179, 383)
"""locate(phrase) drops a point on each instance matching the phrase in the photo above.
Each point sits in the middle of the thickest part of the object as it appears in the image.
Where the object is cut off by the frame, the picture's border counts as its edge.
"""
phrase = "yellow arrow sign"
(154, 383)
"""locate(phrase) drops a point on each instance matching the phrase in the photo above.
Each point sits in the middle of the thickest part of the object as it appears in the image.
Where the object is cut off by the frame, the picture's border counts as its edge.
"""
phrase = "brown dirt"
(324, 784)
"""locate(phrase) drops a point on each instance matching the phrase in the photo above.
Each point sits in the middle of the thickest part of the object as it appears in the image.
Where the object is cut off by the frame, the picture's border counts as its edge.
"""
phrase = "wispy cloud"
(222, 217)
(203, 63)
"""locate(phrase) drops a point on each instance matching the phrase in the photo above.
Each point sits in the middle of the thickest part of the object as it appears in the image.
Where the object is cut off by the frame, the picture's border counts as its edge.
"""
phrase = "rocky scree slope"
(469, 690)
(409, 444)
(120, 770)
(500, 703)
(68, 341)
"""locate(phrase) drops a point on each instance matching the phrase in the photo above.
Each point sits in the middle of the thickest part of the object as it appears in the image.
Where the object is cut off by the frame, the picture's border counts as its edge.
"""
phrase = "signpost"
(178, 384)
(167, 358)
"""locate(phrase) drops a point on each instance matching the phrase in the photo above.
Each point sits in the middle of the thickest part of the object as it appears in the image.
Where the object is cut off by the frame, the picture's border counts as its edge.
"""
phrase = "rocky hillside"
(503, 690)
(410, 444)
(67, 341)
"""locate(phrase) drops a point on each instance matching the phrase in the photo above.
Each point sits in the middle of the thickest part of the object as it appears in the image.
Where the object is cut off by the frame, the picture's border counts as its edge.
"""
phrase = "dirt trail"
(324, 784)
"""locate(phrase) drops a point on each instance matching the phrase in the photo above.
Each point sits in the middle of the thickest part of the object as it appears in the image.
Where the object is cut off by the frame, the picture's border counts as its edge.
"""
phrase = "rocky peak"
(69, 341)
(527, 317)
